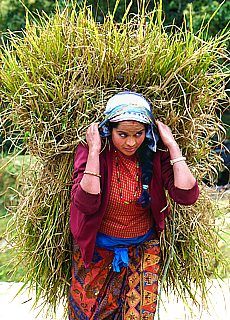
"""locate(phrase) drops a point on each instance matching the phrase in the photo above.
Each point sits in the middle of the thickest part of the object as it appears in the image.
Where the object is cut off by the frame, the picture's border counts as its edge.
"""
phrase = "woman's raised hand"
(183, 177)
(165, 134)
(91, 182)
(93, 138)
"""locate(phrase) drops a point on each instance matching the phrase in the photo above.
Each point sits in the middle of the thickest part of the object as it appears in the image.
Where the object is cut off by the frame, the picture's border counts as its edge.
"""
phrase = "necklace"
(119, 180)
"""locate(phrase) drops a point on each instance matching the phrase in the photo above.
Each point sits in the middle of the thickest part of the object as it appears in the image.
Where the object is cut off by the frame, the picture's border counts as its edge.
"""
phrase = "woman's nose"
(130, 141)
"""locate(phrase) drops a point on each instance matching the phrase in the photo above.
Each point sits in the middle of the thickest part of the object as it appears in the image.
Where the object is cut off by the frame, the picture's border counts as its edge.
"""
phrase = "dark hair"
(145, 156)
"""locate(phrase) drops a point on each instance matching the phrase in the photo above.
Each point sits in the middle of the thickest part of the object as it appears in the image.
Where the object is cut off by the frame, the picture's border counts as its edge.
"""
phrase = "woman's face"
(128, 136)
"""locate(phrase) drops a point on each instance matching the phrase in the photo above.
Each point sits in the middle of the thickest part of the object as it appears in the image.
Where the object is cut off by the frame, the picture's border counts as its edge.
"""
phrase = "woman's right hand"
(93, 138)
(91, 182)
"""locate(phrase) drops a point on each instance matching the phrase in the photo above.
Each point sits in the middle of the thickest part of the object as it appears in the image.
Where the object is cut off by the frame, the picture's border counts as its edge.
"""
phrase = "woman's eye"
(139, 134)
(122, 135)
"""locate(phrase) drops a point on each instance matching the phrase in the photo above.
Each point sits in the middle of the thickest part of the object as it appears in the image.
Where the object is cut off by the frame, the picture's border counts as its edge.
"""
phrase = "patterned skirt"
(98, 292)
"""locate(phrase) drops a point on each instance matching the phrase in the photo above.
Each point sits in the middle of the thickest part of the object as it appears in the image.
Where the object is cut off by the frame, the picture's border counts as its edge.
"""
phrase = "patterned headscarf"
(130, 106)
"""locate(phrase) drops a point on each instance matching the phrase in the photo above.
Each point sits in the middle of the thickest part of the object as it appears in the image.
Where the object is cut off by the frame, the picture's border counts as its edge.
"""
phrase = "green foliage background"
(9, 183)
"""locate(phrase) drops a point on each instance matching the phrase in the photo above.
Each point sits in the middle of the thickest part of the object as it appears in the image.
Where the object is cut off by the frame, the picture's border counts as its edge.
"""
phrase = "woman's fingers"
(165, 133)
(93, 137)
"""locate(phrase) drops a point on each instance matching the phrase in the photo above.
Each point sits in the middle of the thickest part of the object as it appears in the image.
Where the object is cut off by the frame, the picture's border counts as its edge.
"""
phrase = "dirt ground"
(218, 307)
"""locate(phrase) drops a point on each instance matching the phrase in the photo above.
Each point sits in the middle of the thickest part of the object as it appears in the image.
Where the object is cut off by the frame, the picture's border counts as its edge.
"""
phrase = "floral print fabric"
(98, 292)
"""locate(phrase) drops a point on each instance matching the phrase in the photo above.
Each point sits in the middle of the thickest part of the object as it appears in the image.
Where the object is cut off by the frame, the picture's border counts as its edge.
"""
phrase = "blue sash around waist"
(120, 247)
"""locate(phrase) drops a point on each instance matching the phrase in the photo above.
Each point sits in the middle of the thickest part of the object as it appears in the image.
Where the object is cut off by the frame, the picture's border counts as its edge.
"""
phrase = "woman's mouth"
(130, 149)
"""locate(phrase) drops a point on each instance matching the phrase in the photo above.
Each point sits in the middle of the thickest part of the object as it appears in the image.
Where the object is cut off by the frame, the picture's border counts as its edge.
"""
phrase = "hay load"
(56, 80)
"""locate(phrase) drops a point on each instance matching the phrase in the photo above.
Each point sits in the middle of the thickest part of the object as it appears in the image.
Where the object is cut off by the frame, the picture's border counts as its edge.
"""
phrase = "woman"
(118, 210)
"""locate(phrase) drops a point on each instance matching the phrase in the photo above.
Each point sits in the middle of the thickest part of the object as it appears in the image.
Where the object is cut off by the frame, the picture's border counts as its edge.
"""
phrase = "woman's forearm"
(183, 177)
(91, 178)
(91, 183)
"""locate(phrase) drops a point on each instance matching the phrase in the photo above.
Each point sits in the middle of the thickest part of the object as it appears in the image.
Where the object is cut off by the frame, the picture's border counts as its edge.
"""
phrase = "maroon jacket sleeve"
(87, 203)
(180, 196)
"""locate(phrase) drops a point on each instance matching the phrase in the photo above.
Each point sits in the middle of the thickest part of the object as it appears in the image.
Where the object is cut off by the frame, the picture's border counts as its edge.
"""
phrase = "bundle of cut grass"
(56, 80)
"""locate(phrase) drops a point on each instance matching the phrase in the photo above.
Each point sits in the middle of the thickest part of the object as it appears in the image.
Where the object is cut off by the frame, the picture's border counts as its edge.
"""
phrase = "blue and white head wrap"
(130, 106)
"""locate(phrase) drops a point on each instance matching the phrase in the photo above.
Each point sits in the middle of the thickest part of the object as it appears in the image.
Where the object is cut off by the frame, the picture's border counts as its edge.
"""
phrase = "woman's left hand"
(165, 134)
(183, 177)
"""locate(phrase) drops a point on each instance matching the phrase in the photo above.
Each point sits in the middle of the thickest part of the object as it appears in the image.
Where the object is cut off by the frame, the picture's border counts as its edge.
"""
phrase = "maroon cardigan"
(87, 210)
